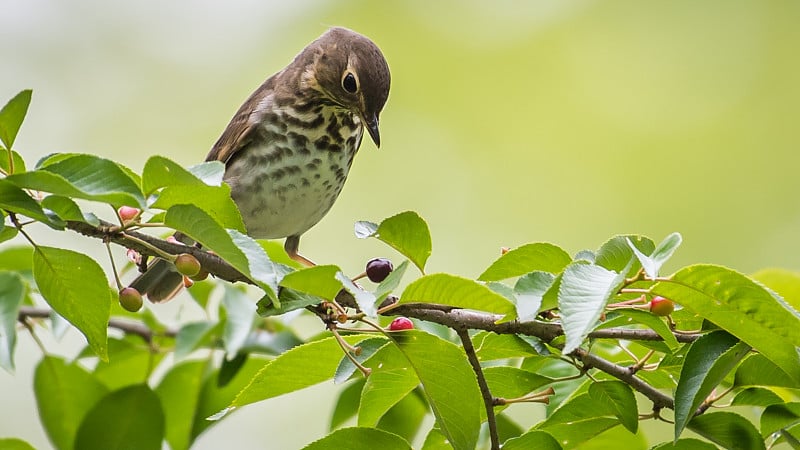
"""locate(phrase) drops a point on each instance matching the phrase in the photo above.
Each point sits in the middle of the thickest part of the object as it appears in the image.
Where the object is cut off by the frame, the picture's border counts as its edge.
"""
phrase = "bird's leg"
(291, 245)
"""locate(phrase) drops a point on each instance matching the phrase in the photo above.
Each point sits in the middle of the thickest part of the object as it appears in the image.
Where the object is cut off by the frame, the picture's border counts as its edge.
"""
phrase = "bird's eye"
(349, 83)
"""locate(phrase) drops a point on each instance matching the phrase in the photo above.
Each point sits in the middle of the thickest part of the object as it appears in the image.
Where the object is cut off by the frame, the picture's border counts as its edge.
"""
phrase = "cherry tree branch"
(457, 319)
(488, 398)
(124, 325)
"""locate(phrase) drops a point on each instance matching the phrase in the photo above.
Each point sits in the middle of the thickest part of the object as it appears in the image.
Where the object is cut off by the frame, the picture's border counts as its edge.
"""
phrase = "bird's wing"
(238, 133)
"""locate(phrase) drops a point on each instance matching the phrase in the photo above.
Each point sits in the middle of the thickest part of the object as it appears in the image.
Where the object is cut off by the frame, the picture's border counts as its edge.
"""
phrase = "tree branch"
(127, 326)
(209, 262)
(488, 399)
(659, 399)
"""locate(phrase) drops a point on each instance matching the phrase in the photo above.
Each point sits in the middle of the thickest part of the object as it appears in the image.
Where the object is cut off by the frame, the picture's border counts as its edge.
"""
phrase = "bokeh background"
(508, 122)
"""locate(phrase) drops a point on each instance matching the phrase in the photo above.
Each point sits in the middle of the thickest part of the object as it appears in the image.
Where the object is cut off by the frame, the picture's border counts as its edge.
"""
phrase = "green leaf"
(615, 254)
(215, 200)
(64, 394)
(727, 429)
(390, 283)
(405, 418)
(83, 176)
(365, 229)
(12, 115)
(17, 259)
(582, 297)
(130, 362)
(240, 251)
(652, 263)
(125, 419)
(319, 281)
(379, 348)
(435, 440)
(406, 232)
(742, 307)
(384, 389)
(298, 368)
(14, 199)
(491, 346)
(450, 290)
(290, 300)
(778, 417)
(686, 444)
(12, 293)
(756, 396)
(364, 299)
(757, 370)
(511, 382)
(710, 358)
(179, 392)
(577, 420)
(161, 172)
(211, 173)
(15, 444)
(6, 232)
(76, 287)
(529, 291)
(651, 321)
(192, 335)
(239, 316)
(541, 256)
(534, 439)
(359, 439)
(448, 383)
(66, 209)
(785, 282)
(619, 396)
(181, 186)
(18, 161)
(216, 396)
(347, 404)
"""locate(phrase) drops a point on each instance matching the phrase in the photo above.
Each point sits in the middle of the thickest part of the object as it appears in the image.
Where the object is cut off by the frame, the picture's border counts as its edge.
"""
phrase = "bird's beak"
(372, 129)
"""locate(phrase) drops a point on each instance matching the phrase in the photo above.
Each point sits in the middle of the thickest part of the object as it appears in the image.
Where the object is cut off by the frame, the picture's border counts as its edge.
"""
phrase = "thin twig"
(488, 399)
(659, 399)
(125, 325)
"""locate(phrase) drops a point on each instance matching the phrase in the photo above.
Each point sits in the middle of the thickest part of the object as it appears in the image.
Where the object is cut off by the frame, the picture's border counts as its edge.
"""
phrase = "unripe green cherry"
(187, 264)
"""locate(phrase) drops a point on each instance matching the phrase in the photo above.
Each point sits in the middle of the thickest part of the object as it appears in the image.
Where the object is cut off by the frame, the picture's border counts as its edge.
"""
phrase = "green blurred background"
(507, 123)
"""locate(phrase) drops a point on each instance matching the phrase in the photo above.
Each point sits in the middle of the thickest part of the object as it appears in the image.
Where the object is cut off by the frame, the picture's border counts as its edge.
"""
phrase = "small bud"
(504, 250)
(128, 213)
(133, 256)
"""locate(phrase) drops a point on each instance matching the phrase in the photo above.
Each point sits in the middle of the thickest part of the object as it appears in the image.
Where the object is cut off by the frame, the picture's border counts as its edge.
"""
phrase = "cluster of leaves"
(538, 326)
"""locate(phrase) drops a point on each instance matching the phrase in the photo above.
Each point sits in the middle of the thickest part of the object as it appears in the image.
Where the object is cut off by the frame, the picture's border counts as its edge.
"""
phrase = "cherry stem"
(113, 266)
(161, 253)
(358, 277)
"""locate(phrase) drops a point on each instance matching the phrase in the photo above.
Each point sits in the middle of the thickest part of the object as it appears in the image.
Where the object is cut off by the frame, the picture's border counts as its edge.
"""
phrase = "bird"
(289, 148)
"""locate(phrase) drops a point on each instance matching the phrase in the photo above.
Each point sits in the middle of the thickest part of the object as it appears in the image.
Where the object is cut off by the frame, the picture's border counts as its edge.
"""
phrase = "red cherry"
(401, 323)
(127, 213)
(661, 306)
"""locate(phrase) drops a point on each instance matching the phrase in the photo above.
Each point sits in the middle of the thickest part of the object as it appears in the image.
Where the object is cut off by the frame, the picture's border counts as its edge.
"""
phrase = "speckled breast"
(293, 169)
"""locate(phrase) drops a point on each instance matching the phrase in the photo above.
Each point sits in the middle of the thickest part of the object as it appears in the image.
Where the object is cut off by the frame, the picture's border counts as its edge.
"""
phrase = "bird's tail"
(160, 282)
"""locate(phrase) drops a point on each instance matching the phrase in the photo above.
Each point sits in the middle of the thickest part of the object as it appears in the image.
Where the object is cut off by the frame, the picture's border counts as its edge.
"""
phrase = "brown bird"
(288, 149)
